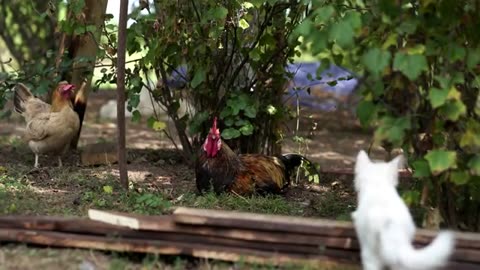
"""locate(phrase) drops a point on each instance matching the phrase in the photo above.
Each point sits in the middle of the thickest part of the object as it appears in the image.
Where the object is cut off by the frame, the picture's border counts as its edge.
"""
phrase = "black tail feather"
(79, 102)
(21, 94)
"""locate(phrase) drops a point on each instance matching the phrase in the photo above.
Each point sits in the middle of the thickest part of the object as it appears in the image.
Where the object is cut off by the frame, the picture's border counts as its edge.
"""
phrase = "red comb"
(214, 127)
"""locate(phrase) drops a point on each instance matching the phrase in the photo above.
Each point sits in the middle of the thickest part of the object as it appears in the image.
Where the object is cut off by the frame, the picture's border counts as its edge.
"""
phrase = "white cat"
(383, 223)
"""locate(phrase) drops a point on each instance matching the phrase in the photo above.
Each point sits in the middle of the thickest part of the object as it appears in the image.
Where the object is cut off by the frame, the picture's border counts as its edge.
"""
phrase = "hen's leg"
(60, 162)
(36, 161)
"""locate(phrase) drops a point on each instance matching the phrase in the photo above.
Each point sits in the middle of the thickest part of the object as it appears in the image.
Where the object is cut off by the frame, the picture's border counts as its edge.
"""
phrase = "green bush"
(419, 66)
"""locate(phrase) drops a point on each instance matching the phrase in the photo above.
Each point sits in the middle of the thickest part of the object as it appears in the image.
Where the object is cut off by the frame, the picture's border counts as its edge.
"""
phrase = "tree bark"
(122, 40)
(85, 46)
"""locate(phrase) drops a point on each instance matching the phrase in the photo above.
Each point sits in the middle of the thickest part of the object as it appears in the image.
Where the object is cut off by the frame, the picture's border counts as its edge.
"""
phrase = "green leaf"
(230, 133)
(324, 13)
(304, 28)
(407, 27)
(354, 19)
(410, 65)
(198, 78)
(242, 101)
(243, 24)
(392, 129)
(473, 57)
(453, 110)
(159, 125)
(376, 60)
(108, 189)
(228, 122)
(91, 28)
(227, 111)
(136, 116)
(437, 97)
(365, 111)
(251, 111)
(474, 165)
(79, 30)
(321, 41)
(456, 53)
(342, 33)
(247, 129)
(417, 49)
(441, 160)
(240, 122)
(271, 110)
(219, 12)
(459, 177)
(390, 41)
(77, 6)
(255, 54)
(411, 197)
(237, 103)
(247, 5)
(471, 136)
(421, 168)
(257, 3)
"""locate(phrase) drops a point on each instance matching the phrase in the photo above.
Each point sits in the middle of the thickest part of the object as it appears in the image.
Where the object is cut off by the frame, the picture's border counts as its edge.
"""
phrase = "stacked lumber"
(212, 234)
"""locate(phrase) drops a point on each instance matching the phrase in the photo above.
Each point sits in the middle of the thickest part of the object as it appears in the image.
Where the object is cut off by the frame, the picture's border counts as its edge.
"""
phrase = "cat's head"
(381, 173)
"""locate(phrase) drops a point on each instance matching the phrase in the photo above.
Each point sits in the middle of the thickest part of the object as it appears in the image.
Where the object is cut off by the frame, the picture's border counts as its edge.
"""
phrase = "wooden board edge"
(114, 219)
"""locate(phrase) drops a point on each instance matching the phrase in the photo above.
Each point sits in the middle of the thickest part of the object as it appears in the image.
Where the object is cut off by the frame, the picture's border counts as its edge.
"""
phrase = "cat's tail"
(433, 256)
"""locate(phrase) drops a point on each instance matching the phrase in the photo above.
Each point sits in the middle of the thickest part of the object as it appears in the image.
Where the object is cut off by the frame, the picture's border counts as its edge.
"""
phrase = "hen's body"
(243, 174)
(49, 128)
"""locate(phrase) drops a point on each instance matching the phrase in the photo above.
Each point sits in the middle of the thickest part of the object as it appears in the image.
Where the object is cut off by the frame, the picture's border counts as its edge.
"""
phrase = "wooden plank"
(162, 223)
(403, 173)
(244, 238)
(288, 224)
(466, 240)
(466, 255)
(262, 222)
(57, 224)
(219, 252)
(461, 266)
(67, 240)
(188, 235)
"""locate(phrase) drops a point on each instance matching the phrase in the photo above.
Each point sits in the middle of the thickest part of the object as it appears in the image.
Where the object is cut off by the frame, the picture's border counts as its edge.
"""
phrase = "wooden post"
(122, 152)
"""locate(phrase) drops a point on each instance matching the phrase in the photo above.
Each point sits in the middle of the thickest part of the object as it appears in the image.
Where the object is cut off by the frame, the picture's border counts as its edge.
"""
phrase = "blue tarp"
(300, 82)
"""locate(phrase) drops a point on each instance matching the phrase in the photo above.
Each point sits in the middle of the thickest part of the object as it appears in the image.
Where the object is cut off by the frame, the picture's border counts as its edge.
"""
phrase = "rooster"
(218, 166)
(50, 128)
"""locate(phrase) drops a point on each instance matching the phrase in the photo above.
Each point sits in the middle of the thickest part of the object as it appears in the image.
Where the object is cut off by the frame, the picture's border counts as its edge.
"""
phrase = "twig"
(240, 196)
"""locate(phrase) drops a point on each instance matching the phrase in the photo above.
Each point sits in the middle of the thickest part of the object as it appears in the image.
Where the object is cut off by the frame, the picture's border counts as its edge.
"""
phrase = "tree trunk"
(85, 46)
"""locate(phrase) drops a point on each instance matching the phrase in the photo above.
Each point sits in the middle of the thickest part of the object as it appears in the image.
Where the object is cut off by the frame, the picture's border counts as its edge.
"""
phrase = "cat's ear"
(398, 162)
(362, 156)
(362, 159)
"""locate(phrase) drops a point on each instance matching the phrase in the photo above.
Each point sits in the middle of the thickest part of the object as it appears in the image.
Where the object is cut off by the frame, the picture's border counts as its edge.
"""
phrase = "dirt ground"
(334, 138)
(155, 165)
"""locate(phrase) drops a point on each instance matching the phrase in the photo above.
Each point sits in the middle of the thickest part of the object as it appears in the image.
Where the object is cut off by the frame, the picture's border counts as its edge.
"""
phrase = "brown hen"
(50, 128)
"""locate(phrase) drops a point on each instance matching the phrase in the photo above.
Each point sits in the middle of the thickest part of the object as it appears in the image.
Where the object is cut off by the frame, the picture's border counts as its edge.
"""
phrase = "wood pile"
(223, 235)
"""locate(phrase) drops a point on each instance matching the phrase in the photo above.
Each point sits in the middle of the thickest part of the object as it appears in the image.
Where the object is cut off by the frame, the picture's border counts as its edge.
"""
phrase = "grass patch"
(331, 206)
(270, 204)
